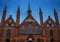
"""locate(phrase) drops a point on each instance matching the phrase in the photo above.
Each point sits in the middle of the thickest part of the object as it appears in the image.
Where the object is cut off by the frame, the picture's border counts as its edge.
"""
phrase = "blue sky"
(47, 7)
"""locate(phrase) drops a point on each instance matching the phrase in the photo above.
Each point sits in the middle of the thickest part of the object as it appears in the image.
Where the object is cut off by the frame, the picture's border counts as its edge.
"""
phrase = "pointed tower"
(41, 17)
(18, 16)
(29, 10)
(4, 15)
(56, 17)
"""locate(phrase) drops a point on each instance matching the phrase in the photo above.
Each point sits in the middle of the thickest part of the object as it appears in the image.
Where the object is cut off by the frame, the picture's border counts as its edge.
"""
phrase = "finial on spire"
(29, 10)
(18, 8)
(54, 10)
(40, 11)
(49, 17)
(29, 5)
(10, 15)
(5, 8)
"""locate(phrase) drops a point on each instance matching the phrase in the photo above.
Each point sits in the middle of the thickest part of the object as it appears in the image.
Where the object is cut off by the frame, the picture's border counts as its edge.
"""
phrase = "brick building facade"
(29, 30)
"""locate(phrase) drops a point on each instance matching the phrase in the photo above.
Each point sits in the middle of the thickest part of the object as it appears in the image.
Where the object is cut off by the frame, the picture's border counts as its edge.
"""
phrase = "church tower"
(18, 16)
(56, 17)
(3, 15)
(41, 16)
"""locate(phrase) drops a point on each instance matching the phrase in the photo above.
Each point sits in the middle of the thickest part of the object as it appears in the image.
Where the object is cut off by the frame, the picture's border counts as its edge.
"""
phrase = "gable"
(29, 19)
(9, 21)
(49, 21)
(29, 26)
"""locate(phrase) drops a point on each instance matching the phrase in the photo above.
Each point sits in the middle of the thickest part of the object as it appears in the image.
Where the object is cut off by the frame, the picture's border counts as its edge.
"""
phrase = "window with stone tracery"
(29, 29)
(38, 40)
(23, 30)
(36, 30)
(51, 33)
(8, 33)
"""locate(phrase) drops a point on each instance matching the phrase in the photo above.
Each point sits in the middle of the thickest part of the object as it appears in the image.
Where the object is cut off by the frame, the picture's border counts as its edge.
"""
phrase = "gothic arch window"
(8, 33)
(29, 29)
(30, 40)
(52, 40)
(38, 40)
(51, 33)
(7, 40)
(36, 29)
(23, 29)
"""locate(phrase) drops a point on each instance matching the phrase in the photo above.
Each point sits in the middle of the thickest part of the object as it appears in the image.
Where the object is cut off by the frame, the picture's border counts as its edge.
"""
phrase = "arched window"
(52, 40)
(36, 30)
(8, 33)
(23, 30)
(7, 40)
(38, 40)
(29, 29)
(51, 33)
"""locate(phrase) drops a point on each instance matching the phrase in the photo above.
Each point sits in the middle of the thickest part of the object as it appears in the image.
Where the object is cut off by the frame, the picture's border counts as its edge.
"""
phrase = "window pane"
(36, 30)
(51, 33)
(29, 29)
(38, 40)
(23, 30)
(8, 33)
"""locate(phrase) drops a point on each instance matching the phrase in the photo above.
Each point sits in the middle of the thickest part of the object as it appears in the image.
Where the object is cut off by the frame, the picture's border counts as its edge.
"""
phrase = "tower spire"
(29, 10)
(18, 16)
(41, 16)
(4, 15)
(56, 17)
